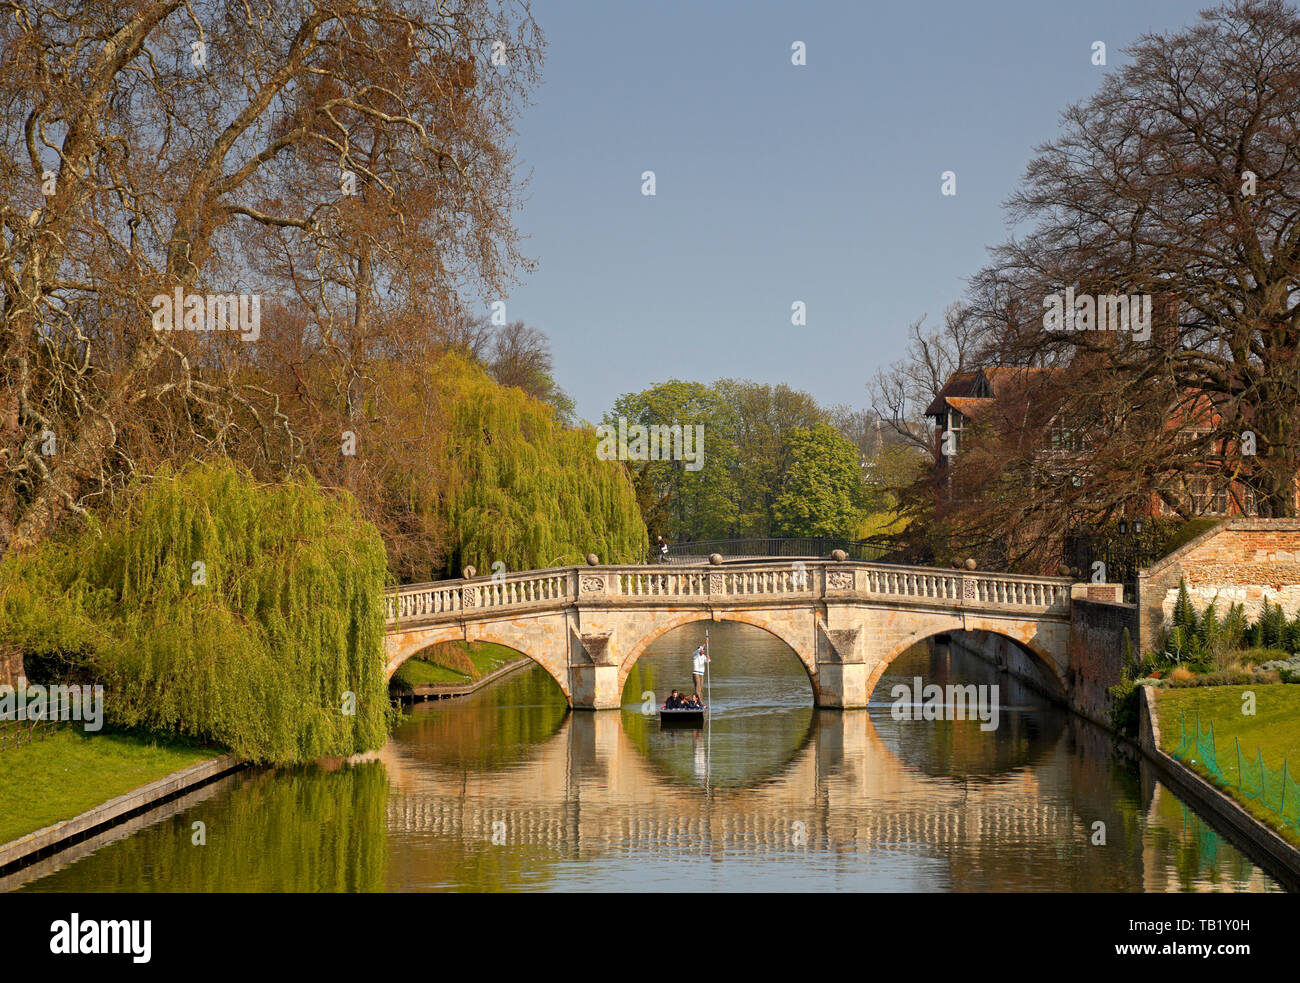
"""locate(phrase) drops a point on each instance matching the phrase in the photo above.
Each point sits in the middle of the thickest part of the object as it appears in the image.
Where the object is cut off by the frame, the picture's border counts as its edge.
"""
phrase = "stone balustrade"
(799, 582)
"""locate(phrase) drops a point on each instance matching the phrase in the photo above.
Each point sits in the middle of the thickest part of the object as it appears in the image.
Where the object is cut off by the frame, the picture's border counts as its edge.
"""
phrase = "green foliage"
(1173, 536)
(1209, 630)
(1224, 677)
(1270, 630)
(1291, 636)
(1259, 656)
(1125, 712)
(676, 503)
(822, 491)
(752, 436)
(1184, 610)
(763, 418)
(259, 656)
(1234, 628)
(1218, 649)
(523, 490)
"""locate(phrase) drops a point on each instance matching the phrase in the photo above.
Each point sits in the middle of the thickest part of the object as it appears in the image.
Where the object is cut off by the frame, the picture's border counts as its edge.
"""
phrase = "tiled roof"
(968, 405)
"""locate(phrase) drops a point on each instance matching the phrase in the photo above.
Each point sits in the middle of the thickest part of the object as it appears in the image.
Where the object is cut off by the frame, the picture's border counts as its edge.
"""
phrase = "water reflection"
(319, 828)
(507, 790)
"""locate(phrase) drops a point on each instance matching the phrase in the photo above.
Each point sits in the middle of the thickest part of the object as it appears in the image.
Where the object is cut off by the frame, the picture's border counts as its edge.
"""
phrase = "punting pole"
(708, 715)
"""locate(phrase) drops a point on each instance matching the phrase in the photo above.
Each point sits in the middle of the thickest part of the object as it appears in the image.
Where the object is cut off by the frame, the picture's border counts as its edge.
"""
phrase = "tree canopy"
(216, 607)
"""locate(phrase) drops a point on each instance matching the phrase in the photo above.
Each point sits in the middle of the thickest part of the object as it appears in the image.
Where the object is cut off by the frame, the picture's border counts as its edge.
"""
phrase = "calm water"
(506, 791)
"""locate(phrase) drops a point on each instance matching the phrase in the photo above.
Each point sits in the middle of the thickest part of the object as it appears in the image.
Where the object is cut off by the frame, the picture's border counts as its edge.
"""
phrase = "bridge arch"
(402, 646)
(753, 618)
(1041, 658)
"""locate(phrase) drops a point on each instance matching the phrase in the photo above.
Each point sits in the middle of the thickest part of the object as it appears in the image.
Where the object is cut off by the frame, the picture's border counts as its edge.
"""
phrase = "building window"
(1206, 496)
(956, 423)
(1065, 439)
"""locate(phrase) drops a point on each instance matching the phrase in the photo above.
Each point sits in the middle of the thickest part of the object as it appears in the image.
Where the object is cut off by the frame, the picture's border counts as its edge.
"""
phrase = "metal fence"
(17, 732)
(1122, 558)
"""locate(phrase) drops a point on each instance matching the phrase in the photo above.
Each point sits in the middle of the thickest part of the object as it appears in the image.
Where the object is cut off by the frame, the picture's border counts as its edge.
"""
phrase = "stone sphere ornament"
(469, 573)
(592, 559)
(715, 559)
(839, 556)
(970, 564)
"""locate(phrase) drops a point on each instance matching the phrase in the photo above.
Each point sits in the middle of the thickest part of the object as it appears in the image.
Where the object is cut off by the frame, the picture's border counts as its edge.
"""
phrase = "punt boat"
(685, 716)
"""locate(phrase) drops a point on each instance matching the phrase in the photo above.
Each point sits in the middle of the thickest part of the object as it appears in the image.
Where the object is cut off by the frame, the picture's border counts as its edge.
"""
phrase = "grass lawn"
(485, 657)
(1274, 730)
(62, 776)
(418, 672)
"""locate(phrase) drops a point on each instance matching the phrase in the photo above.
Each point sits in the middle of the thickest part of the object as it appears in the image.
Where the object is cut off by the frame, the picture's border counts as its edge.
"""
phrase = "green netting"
(1198, 746)
(1273, 788)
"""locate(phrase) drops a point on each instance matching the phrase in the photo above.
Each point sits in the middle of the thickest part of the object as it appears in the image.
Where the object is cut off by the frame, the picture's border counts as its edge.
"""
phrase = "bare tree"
(345, 158)
(1178, 184)
(900, 393)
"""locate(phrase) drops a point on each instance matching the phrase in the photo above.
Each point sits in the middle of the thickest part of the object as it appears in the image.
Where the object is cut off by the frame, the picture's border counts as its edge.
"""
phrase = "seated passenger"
(674, 701)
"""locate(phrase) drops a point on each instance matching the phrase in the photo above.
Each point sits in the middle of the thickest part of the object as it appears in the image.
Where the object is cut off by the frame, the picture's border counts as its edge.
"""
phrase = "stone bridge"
(845, 621)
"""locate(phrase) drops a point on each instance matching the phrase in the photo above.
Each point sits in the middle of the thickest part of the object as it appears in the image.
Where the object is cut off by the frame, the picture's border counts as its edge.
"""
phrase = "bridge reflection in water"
(509, 790)
(607, 800)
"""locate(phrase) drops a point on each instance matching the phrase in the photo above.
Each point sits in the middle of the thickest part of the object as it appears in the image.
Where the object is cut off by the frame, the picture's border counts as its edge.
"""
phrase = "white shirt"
(700, 659)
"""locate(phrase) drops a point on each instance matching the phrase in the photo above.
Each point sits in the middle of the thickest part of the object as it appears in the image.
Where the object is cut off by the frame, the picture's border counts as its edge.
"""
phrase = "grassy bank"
(453, 663)
(64, 775)
(1273, 732)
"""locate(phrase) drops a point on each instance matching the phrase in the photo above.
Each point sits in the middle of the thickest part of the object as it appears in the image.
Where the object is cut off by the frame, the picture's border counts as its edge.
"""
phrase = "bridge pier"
(842, 676)
(841, 687)
(595, 687)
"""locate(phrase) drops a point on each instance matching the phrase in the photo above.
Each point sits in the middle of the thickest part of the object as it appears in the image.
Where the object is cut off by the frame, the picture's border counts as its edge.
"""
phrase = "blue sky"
(778, 183)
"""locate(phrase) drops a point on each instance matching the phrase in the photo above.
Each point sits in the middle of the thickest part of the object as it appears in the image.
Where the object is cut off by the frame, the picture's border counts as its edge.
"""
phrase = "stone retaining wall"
(1239, 560)
(1265, 845)
(44, 841)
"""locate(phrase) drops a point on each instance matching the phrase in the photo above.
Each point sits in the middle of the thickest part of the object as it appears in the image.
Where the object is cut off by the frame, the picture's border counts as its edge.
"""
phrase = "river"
(506, 790)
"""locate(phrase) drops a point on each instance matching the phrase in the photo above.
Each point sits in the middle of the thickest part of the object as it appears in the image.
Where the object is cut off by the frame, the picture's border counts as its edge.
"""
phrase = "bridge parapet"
(455, 599)
(799, 582)
(844, 620)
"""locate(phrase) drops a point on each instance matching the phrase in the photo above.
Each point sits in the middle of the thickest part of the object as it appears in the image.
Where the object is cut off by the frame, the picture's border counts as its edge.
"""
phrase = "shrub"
(1258, 656)
(1124, 709)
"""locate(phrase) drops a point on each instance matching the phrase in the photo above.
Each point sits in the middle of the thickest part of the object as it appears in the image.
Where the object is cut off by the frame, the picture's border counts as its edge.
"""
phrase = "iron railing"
(1121, 556)
(862, 550)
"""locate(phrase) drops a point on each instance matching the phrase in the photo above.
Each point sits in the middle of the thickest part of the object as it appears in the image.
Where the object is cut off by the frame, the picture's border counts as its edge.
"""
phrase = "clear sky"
(778, 183)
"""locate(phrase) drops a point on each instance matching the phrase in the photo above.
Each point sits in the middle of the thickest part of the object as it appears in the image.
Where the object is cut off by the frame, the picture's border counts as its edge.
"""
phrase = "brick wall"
(1244, 560)
(1097, 653)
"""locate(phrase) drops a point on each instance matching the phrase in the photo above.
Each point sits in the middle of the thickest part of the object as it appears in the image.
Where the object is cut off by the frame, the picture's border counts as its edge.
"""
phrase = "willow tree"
(521, 489)
(214, 607)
